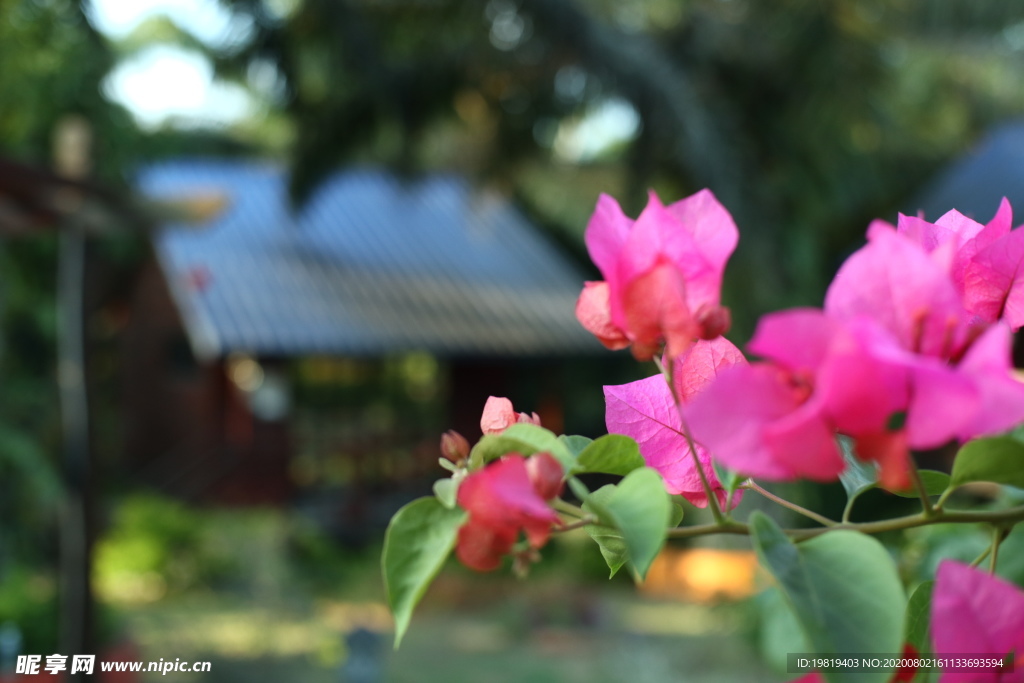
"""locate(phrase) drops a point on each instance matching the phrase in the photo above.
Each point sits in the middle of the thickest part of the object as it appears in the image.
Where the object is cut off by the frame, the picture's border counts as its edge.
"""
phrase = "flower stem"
(1004, 518)
(943, 498)
(716, 511)
(981, 558)
(820, 519)
(999, 534)
(926, 503)
(578, 524)
(568, 508)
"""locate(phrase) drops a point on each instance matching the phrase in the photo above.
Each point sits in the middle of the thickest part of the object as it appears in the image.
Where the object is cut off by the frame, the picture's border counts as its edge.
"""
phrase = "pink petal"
(890, 451)
(993, 281)
(942, 403)
(877, 226)
(813, 677)
(710, 223)
(974, 612)
(481, 546)
(1001, 396)
(700, 365)
(502, 494)
(745, 416)
(654, 308)
(594, 313)
(894, 281)
(802, 442)
(606, 234)
(545, 474)
(858, 387)
(714, 235)
(925, 234)
(645, 411)
(498, 415)
(798, 339)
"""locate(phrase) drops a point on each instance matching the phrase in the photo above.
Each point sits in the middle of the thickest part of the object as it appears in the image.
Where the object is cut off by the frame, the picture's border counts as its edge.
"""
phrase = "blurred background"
(259, 254)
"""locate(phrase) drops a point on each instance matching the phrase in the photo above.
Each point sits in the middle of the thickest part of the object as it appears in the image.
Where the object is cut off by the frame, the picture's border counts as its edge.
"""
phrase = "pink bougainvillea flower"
(507, 497)
(646, 411)
(984, 260)
(594, 313)
(1000, 396)
(778, 419)
(894, 281)
(993, 280)
(663, 274)
(499, 415)
(974, 612)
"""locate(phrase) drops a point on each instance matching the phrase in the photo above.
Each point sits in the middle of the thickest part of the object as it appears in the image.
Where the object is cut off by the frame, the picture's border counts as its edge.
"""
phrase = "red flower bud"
(454, 446)
(546, 475)
(714, 321)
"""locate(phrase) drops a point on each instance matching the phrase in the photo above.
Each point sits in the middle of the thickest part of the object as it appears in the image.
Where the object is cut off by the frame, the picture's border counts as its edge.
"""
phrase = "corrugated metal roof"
(370, 265)
(975, 183)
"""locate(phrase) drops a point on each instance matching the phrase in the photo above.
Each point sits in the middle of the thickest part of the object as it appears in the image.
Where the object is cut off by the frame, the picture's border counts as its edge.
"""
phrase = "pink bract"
(499, 415)
(974, 612)
(502, 499)
(646, 411)
(663, 273)
(895, 282)
(984, 260)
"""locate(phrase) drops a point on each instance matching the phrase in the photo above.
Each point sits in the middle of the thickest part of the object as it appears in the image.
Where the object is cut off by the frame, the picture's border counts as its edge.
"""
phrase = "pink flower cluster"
(911, 350)
(662, 274)
(508, 497)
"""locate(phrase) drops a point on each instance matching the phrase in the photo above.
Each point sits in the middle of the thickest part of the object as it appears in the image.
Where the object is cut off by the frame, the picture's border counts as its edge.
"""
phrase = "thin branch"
(922, 492)
(578, 524)
(568, 508)
(820, 519)
(1003, 518)
(999, 534)
(709, 493)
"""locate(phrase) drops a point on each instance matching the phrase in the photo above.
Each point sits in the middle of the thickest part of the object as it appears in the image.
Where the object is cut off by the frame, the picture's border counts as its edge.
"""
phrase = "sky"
(166, 82)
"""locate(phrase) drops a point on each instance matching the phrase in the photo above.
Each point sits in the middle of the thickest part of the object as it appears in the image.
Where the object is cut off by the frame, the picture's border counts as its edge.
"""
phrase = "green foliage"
(843, 589)
(997, 460)
(934, 484)
(633, 515)
(417, 542)
(610, 454)
(525, 439)
(29, 600)
(919, 609)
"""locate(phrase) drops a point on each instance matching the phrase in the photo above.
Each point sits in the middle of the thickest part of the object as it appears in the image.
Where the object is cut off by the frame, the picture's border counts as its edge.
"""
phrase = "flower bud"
(545, 474)
(454, 446)
(714, 322)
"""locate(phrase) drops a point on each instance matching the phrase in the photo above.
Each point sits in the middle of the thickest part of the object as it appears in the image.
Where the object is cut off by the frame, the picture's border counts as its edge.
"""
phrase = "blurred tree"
(806, 118)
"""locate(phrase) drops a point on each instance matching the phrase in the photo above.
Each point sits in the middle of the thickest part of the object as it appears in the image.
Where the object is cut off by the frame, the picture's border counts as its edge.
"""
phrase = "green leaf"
(609, 540)
(729, 479)
(446, 491)
(919, 609)
(575, 443)
(418, 541)
(858, 476)
(523, 438)
(934, 483)
(999, 459)
(610, 454)
(637, 508)
(844, 590)
(780, 633)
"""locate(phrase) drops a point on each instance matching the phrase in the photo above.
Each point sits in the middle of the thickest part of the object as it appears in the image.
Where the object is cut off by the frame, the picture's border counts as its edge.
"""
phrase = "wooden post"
(71, 151)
